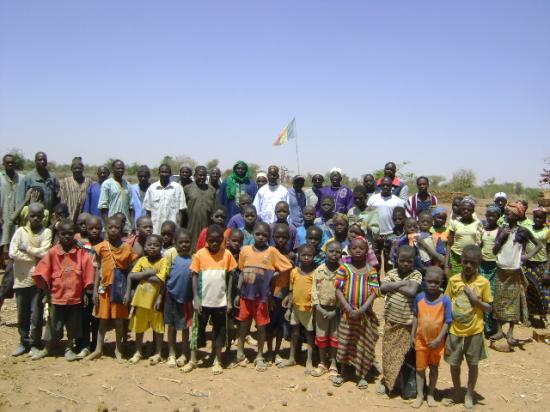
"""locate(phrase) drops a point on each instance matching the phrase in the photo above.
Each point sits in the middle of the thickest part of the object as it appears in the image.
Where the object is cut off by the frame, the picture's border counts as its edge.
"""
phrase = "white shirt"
(266, 199)
(164, 203)
(385, 206)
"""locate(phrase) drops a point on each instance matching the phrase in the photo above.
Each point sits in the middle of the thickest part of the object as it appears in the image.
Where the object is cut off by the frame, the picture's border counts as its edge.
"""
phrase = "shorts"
(143, 319)
(255, 309)
(302, 317)
(472, 348)
(179, 315)
(326, 329)
(107, 310)
(276, 316)
(219, 327)
(428, 357)
(64, 316)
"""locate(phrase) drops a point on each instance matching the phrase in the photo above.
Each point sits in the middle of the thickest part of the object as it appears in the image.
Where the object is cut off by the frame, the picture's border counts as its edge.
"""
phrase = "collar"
(59, 250)
(395, 182)
(161, 187)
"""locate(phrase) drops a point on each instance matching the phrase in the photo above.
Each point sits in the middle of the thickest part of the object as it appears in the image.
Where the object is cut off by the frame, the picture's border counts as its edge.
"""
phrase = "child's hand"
(126, 300)
(471, 293)
(197, 306)
(287, 315)
(285, 301)
(330, 314)
(158, 304)
(355, 314)
(237, 302)
(434, 344)
(95, 298)
(413, 341)
(85, 301)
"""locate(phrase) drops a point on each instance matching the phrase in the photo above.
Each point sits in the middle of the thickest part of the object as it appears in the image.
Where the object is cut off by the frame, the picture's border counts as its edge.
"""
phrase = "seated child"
(144, 230)
(237, 221)
(250, 219)
(324, 221)
(218, 218)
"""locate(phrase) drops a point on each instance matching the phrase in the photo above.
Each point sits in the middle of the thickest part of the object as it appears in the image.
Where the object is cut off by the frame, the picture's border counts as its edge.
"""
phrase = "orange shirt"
(431, 318)
(109, 256)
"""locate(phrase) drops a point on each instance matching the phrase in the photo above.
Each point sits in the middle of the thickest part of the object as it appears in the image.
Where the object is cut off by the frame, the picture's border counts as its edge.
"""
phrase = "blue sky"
(444, 85)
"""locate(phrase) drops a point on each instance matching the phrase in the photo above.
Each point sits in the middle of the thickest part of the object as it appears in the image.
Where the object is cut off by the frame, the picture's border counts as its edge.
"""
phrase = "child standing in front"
(150, 272)
(471, 297)
(211, 266)
(433, 316)
(356, 288)
(488, 266)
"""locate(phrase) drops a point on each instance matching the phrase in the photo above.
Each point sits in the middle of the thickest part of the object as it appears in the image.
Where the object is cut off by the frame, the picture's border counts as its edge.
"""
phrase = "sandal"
(260, 365)
(189, 367)
(362, 384)
(319, 371)
(155, 359)
(337, 380)
(217, 369)
(181, 361)
(242, 362)
(171, 362)
(332, 371)
(135, 359)
(286, 363)
(278, 360)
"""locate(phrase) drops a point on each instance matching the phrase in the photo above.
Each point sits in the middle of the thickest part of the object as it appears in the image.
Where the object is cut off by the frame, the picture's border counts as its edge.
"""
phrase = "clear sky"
(442, 84)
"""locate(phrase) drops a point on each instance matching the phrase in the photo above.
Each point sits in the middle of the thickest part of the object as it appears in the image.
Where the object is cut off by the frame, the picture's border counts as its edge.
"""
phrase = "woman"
(234, 186)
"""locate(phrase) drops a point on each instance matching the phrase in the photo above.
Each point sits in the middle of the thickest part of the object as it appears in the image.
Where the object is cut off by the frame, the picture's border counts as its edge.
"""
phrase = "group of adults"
(190, 199)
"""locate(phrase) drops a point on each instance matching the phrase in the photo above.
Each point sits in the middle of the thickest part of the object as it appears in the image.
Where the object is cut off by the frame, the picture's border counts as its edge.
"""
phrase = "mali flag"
(289, 132)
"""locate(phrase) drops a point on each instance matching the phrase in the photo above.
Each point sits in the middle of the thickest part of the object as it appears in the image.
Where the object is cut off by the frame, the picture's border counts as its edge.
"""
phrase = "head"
(492, 214)
(214, 238)
(153, 246)
(539, 217)
(36, 215)
(182, 242)
(333, 251)
(515, 212)
(240, 169)
(306, 253)
(122, 217)
(114, 229)
(470, 260)
(360, 196)
(41, 161)
(272, 175)
(245, 200)
(341, 225)
(369, 182)
(501, 199)
(314, 236)
(200, 175)
(309, 213)
(467, 207)
(119, 168)
(282, 211)
(434, 280)
(405, 259)
(422, 185)
(60, 211)
(185, 175)
(298, 182)
(455, 205)
(235, 241)
(94, 228)
(215, 176)
(250, 216)
(77, 168)
(8, 161)
(261, 179)
(398, 216)
(317, 181)
(165, 171)
(281, 235)
(81, 224)
(65, 234)
(425, 221)
(219, 215)
(103, 173)
(335, 177)
(386, 186)
(358, 248)
(390, 169)
(439, 215)
(144, 227)
(261, 234)
(355, 231)
(167, 232)
(411, 226)
(327, 206)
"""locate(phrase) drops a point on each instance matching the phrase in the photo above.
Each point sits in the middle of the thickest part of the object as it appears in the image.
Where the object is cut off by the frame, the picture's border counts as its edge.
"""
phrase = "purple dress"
(343, 198)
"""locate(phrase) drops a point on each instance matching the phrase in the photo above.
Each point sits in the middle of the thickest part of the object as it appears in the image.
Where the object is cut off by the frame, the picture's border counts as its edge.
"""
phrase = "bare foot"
(431, 401)
(497, 336)
(93, 356)
(118, 355)
(286, 363)
(417, 403)
(468, 402)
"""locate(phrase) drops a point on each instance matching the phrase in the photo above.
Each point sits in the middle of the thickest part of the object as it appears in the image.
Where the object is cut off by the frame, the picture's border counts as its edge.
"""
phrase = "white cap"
(336, 170)
(500, 194)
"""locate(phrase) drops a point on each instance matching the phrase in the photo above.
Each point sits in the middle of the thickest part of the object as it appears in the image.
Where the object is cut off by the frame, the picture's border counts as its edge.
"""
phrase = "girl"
(535, 268)
(488, 266)
(325, 220)
(466, 231)
(250, 218)
(356, 288)
(218, 218)
(440, 233)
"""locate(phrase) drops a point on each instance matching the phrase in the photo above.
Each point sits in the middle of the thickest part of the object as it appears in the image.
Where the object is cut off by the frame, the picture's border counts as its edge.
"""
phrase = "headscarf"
(335, 170)
(342, 216)
(234, 179)
(517, 209)
(261, 174)
(468, 200)
(540, 209)
(493, 208)
(438, 210)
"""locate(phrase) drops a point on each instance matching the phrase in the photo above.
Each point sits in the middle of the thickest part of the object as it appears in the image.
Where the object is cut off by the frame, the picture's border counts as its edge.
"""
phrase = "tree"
(463, 179)
(436, 180)
(20, 161)
(211, 164)
(545, 175)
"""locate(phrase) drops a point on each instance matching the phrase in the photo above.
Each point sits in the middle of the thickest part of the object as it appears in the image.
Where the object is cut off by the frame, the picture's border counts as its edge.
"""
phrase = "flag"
(289, 132)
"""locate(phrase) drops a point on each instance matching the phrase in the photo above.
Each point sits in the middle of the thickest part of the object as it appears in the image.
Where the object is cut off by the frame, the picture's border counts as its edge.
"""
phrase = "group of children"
(314, 284)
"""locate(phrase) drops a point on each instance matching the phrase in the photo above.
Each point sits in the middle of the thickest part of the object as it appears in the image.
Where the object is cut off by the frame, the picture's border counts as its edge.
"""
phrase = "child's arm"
(289, 306)
(434, 344)
(343, 302)
(196, 304)
(95, 295)
(450, 243)
(158, 303)
(237, 298)
(45, 244)
(413, 331)
(26, 201)
(228, 278)
(430, 250)
(474, 300)
(367, 305)
(409, 289)
(17, 250)
(386, 286)
(538, 246)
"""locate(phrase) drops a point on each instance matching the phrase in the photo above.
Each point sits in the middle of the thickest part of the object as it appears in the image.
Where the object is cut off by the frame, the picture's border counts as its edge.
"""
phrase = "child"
(356, 231)
(356, 288)
(470, 295)
(282, 212)
(167, 231)
(488, 266)
(400, 287)
(510, 244)
(299, 305)
(308, 218)
(398, 218)
(28, 245)
(234, 245)
(440, 233)
(250, 218)
(144, 230)
(150, 271)
(366, 218)
(65, 272)
(211, 266)
(537, 292)
(122, 217)
(455, 208)
(324, 220)
(114, 256)
(324, 301)
(59, 213)
(178, 308)
(433, 316)
(314, 237)
(218, 218)
(34, 195)
(237, 221)
(258, 264)
(82, 232)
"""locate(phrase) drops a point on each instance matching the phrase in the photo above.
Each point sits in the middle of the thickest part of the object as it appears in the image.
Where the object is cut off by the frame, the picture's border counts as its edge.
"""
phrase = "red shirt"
(66, 274)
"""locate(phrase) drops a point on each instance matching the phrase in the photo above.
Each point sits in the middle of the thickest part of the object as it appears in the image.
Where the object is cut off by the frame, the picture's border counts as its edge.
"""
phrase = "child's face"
(368, 182)
(235, 242)
(114, 230)
(327, 206)
(358, 249)
(425, 223)
(218, 217)
(469, 265)
(456, 207)
(440, 219)
(122, 220)
(308, 214)
(35, 219)
(539, 219)
(245, 201)
(340, 227)
(66, 237)
(353, 232)
(314, 239)
(282, 212)
(260, 236)
(405, 262)
(512, 217)
(183, 245)
(249, 218)
(281, 238)
(94, 230)
(214, 241)
(167, 236)
(145, 228)
(466, 210)
(433, 283)
(152, 247)
(398, 219)
(491, 217)
(334, 253)
(81, 223)
(306, 257)
(359, 200)
(261, 181)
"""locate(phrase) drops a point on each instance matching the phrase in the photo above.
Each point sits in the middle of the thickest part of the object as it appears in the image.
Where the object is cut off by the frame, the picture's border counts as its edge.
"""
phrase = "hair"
(68, 223)
(181, 232)
(249, 208)
(280, 203)
(245, 195)
(419, 178)
(82, 217)
(435, 270)
(457, 199)
(264, 225)
(399, 209)
(472, 251)
(8, 155)
(77, 160)
(307, 246)
(200, 169)
(425, 213)
(114, 162)
(168, 223)
(219, 207)
(314, 228)
(214, 229)
(281, 226)
(406, 250)
(236, 231)
(140, 220)
(35, 206)
(309, 208)
(165, 166)
(144, 168)
(120, 215)
(359, 190)
(333, 242)
(114, 218)
(327, 198)
(61, 209)
(356, 226)
(91, 219)
(154, 236)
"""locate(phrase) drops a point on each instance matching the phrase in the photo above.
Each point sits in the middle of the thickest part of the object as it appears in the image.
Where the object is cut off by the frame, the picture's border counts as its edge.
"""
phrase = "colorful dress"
(538, 293)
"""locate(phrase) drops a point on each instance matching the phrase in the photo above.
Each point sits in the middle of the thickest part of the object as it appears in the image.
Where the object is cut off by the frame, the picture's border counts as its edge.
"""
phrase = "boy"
(386, 242)
(28, 245)
(237, 221)
(282, 212)
(314, 237)
(308, 218)
(234, 245)
(433, 316)
(65, 273)
(211, 266)
(151, 272)
(144, 229)
(366, 218)
(471, 297)
(324, 220)
(167, 232)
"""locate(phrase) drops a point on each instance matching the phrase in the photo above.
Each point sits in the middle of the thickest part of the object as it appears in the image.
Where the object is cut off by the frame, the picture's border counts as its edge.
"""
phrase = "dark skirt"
(538, 294)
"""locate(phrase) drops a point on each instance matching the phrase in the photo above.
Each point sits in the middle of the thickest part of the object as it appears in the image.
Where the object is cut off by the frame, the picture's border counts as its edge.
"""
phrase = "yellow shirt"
(543, 236)
(146, 292)
(300, 286)
(467, 320)
(465, 234)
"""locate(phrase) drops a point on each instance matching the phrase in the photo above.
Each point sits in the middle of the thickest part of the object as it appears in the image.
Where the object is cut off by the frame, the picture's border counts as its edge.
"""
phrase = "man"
(185, 175)
(164, 200)
(269, 195)
(297, 200)
(116, 196)
(9, 182)
(201, 199)
(313, 194)
(215, 176)
(399, 188)
(139, 189)
(342, 195)
(422, 200)
(92, 197)
(369, 182)
(40, 176)
(73, 189)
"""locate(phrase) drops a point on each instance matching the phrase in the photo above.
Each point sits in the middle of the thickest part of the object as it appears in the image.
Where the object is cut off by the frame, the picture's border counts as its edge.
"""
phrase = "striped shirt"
(357, 284)
(73, 194)
(400, 308)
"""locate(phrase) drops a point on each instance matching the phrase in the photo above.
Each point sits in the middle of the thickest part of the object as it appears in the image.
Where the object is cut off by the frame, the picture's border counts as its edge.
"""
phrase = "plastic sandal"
(260, 365)
(319, 371)
(189, 367)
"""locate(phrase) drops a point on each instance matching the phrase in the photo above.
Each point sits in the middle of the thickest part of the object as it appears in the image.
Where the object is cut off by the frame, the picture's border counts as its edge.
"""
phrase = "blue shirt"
(442, 300)
(296, 203)
(50, 186)
(92, 199)
(179, 284)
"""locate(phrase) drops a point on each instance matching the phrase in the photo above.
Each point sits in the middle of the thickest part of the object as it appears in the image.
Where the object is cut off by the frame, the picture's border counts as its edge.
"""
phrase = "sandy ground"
(516, 381)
